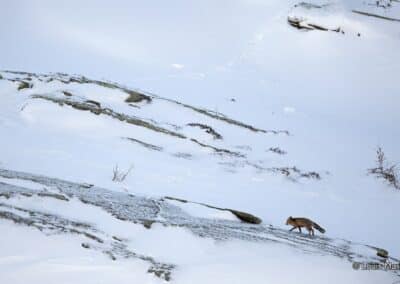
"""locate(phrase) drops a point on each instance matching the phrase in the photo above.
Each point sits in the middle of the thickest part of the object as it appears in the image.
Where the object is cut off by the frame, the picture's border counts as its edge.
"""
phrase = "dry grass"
(119, 175)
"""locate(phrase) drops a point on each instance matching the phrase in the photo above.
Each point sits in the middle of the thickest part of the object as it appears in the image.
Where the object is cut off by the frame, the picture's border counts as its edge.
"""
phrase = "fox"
(304, 222)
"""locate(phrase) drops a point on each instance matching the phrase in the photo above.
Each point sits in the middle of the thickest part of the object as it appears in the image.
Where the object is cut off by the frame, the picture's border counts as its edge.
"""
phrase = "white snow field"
(274, 108)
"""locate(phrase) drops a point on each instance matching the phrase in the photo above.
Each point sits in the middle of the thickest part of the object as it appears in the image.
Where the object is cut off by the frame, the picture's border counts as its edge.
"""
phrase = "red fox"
(304, 222)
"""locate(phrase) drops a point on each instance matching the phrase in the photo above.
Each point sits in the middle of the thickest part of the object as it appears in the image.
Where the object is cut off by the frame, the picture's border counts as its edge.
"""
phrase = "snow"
(29, 255)
(46, 259)
(199, 210)
(178, 66)
(23, 183)
(233, 263)
(337, 95)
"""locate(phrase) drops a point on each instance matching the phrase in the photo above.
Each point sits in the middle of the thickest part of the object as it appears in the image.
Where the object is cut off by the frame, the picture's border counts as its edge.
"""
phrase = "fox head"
(288, 221)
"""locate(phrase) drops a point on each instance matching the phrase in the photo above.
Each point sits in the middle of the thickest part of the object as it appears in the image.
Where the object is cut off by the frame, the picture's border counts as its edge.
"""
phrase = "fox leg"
(292, 229)
(299, 229)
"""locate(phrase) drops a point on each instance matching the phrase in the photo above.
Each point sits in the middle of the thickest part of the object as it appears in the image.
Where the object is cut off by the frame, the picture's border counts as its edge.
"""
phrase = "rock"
(382, 253)
(147, 223)
(243, 216)
(53, 195)
(111, 255)
(86, 185)
(246, 217)
(93, 103)
(24, 85)
(135, 97)
(117, 239)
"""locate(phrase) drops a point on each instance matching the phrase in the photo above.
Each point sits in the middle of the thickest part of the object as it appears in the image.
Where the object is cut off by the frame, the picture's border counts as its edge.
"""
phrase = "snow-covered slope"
(75, 127)
(286, 124)
(110, 222)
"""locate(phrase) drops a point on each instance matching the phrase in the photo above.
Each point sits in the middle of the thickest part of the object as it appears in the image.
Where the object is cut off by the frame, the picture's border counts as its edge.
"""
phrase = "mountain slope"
(74, 128)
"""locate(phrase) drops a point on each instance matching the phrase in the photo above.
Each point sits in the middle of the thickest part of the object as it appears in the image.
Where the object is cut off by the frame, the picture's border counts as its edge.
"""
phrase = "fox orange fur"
(300, 222)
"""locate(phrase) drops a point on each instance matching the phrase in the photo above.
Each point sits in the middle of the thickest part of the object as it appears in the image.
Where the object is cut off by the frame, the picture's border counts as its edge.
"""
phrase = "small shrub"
(385, 170)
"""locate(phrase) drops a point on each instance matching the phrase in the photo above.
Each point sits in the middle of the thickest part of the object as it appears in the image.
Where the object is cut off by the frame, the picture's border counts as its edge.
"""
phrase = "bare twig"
(120, 175)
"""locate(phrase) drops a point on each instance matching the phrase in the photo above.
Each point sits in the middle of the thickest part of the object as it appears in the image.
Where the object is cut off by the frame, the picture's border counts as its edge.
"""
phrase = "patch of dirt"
(144, 144)
(307, 5)
(218, 150)
(294, 173)
(182, 155)
(208, 129)
(277, 150)
(376, 16)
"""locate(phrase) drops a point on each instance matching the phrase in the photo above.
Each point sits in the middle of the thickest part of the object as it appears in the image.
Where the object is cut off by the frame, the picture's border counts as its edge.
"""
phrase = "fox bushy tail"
(318, 227)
